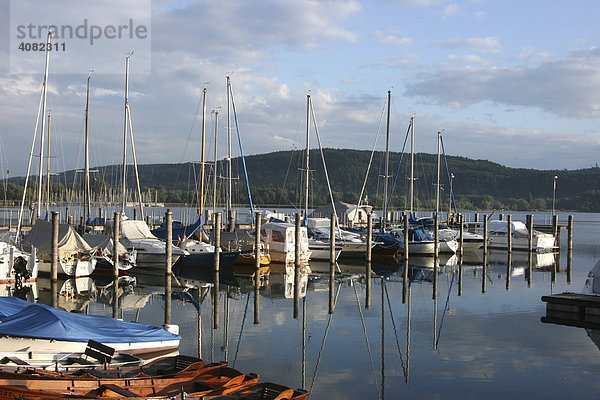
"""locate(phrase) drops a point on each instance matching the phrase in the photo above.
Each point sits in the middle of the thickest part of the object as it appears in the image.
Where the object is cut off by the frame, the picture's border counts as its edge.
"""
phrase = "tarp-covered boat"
(41, 328)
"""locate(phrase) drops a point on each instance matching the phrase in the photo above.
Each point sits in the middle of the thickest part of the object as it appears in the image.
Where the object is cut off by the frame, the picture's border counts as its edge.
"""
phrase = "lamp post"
(554, 194)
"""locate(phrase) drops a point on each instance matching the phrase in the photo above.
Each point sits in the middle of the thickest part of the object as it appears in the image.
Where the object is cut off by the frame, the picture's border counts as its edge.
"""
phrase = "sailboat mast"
(215, 164)
(387, 164)
(45, 95)
(437, 185)
(412, 162)
(86, 175)
(202, 156)
(124, 177)
(308, 104)
(229, 172)
(48, 167)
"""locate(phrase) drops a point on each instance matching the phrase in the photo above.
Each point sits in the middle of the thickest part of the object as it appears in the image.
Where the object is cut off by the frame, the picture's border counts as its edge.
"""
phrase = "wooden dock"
(573, 309)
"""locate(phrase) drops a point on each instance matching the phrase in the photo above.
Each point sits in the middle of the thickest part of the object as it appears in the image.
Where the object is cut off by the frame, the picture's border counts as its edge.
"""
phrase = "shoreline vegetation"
(275, 182)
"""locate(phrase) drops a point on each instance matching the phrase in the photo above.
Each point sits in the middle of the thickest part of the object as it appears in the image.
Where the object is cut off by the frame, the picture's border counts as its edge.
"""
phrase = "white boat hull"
(71, 267)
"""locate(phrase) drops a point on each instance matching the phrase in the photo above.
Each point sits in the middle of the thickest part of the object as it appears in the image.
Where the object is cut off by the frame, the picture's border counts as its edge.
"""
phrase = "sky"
(513, 82)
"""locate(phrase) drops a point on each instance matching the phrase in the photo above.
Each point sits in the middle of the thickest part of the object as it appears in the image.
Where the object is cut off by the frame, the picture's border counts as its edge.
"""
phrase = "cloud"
(393, 37)
(489, 44)
(567, 88)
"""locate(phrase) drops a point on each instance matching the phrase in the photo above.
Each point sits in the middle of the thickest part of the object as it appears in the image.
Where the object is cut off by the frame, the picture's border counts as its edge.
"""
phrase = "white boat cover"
(69, 241)
(136, 230)
(500, 226)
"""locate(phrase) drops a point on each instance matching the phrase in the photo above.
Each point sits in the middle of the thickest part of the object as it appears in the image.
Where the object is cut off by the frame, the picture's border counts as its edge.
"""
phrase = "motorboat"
(497, 234)
(136, 236)
(280, 239)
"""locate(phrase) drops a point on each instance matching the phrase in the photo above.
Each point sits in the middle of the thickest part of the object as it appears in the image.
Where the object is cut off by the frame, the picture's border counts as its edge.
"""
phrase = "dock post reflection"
(257, 269)
(116, 234)
(215, 294)
(54, 265)
(168, 265)
(405, 286)
(332, 260)
(368, 260)
(297, 266)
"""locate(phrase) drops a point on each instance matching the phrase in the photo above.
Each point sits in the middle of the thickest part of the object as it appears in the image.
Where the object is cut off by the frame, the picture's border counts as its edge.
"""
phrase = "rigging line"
(399, 164)
(29, 163)
(237, 349)
(330, 318)
(287, 173)
(395, 330)
(372, 154)
(444, 312)
(325, 169)
(448, 175)
(237, 128)
(362, 320)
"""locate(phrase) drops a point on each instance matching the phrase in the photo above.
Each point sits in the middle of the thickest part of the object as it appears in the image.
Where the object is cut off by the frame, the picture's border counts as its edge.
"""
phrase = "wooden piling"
(369, 238)
(461, 234)
(215, 293)
(509, 234)
(297, 266)
(135, 214)
(332, 260)
(569, 247)
(529, 220)
(436, 245)
(405, 277)
(54, 248)
(257, 268)
(67, 215)
(168, 264)
(485, 234)
(232, 220)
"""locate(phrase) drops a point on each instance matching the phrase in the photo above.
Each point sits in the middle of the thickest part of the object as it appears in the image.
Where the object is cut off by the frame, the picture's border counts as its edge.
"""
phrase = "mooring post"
(368, 260)
(405, 277)
(485, 234)
(529, 221)
(215, 293)
(332, 260)
(569, 247)
(297, 267)
(168, 264)
(115, 257)
(476, 217)
(67, 215)
(555, 231)
(54, 255)
(508, 249)
(135, 214)
(461, 234)
(257, 267)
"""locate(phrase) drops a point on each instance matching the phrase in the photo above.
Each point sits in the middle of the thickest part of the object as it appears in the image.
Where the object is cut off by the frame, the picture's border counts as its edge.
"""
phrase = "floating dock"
(573, 309)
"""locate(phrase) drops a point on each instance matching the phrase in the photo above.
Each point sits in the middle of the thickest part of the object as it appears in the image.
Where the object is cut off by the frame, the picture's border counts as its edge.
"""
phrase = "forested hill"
(278, 179)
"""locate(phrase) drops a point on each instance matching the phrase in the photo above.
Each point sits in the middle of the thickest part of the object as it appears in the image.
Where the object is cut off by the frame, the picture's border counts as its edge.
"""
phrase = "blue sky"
(514, 82)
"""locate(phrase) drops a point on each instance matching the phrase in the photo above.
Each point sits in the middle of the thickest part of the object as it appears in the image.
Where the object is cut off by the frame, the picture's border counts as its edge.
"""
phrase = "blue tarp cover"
(42, 321)
(10, 305)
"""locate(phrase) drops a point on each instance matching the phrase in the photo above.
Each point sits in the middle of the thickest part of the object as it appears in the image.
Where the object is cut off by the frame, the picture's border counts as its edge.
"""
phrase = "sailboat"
(136, 235)
(75, 257)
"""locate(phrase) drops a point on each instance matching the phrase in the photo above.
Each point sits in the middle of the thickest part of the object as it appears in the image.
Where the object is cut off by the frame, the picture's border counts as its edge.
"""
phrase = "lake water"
(473, 338)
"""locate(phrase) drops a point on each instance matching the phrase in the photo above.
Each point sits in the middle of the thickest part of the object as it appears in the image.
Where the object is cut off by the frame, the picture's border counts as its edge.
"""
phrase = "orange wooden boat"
(165, 378)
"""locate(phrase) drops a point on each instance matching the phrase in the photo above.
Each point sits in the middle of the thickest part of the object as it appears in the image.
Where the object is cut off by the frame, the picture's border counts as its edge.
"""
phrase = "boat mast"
(86, 175)
(124, 177)
(437, 186)
(48, 168)
(216, 111)
(387, 164)
(229, 172)
(308, 104)
(202, 156)
(412, 162)
(45, 95)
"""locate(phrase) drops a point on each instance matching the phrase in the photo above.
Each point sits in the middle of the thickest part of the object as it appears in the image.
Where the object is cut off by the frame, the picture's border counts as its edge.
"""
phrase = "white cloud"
(489, 44)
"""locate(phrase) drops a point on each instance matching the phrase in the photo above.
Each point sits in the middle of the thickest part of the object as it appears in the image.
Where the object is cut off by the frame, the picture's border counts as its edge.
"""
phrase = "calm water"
(464, 342)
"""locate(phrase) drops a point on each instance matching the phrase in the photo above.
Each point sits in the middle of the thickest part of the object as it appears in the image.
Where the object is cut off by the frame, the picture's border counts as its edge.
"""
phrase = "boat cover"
(103, 242)
(136, 230)
(44, 322)
(69, 241)
(10, 305)
(179, 231)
